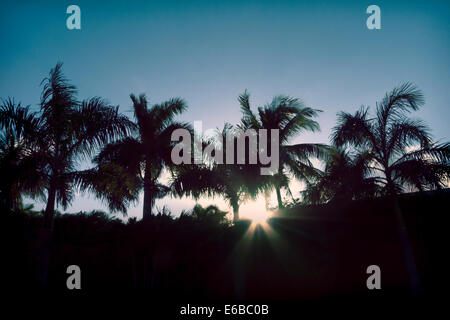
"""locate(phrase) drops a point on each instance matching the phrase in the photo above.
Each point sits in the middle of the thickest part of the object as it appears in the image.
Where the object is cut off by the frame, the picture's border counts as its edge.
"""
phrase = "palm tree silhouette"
(19, 158)
(70, 131)
(346, 176)
(42, 150)
(290, 117)
(235, 182)
(144, 155)
(400, 148)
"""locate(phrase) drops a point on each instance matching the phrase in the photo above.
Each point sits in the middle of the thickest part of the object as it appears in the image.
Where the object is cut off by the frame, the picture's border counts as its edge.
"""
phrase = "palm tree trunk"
(267, 199)
(148, 201)
(390, 186)
(407, 250)
(50, 207)
(280, 201)
(235, 206)
(44, 241)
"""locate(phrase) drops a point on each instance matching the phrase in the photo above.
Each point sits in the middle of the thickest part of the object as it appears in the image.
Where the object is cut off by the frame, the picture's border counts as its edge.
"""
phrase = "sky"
(208, 52)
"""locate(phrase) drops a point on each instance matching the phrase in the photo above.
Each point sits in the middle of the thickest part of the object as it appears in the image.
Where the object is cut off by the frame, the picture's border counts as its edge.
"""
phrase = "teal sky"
(210, 51)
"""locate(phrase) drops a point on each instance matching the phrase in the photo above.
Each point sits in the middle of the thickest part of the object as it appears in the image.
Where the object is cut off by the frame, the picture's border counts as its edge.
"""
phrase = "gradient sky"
(208, 52)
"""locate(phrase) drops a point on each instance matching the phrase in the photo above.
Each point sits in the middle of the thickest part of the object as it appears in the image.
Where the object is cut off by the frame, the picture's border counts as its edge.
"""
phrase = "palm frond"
(197, 180)
(354, 129)
(406, 97)
(96, 123)
(58, 96)
(301, 121)
(421, 173)
(304, 151)
(128, 153)
(406, 133)
(165, 112)
(249, 120)
(438, 153)
(111, 183)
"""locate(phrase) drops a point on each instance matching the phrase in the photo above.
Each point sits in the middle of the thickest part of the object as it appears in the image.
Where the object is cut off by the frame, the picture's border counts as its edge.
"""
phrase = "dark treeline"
(308, 252)
(357, 206)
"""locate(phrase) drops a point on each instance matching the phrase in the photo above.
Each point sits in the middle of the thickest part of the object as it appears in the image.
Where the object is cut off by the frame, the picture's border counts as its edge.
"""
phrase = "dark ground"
(310, 256)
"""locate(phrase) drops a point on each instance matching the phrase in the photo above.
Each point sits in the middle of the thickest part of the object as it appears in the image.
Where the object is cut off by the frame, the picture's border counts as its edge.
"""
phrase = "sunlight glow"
(255, 211)
(260, 217)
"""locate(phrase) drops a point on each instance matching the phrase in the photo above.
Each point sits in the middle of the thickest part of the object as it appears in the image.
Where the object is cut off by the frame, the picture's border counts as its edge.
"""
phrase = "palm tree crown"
(19, 158)
(235, 182)
(290, 117)
(401, 148)
(71, 131)
(346, 176)
(143, 156)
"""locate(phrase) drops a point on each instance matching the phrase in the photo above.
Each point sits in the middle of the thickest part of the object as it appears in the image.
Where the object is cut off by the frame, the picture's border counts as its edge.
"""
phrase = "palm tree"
(71, 131)
(290, 117)
(400, 148)
(236, 183)
(346, 177)
(42, 151)
(19, 158)
(143, 156)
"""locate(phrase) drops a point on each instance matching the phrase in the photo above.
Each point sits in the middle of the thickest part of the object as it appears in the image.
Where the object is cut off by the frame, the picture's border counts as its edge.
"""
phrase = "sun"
(255, 211)
(260, 218)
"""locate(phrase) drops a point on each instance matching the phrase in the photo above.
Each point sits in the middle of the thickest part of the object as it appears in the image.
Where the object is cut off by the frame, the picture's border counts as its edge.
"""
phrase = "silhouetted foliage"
(235, 182)
(291, 117)
(346, 177)
(211, 215)
(400, 148)
(143, 155)
(19, 155)
(45, 147)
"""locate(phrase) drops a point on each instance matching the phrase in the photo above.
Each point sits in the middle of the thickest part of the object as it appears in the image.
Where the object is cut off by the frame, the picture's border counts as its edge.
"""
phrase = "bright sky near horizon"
(208, 52)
